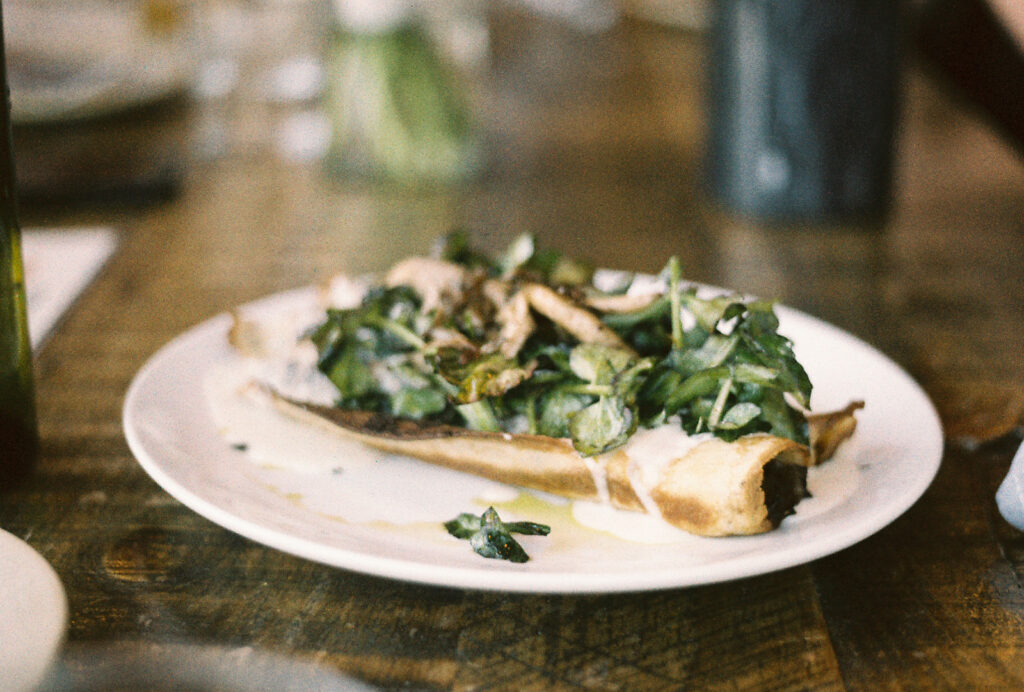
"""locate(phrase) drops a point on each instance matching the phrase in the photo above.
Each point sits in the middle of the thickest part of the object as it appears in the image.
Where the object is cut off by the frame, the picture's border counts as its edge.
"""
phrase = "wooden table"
(596, 149)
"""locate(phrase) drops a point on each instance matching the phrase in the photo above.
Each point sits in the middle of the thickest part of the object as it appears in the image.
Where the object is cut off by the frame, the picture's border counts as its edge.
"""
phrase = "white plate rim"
(493, 575)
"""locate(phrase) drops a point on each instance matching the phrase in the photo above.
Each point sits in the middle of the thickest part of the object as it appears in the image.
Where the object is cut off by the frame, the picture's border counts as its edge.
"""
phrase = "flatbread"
(709, 488)
(716, 488)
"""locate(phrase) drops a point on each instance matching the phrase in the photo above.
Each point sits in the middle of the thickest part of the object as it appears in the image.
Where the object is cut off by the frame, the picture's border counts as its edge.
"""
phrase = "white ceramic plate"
(33, 614)
(876, 476)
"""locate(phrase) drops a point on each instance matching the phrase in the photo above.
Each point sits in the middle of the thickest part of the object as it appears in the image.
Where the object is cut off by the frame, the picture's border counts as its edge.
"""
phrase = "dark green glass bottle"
(19, 436)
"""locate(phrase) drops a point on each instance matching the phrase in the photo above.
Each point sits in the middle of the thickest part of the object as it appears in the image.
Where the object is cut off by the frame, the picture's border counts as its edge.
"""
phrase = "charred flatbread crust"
(718, 488)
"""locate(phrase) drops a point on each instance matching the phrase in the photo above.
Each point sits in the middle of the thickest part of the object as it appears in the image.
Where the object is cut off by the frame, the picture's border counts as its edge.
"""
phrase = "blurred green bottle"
(19, 435)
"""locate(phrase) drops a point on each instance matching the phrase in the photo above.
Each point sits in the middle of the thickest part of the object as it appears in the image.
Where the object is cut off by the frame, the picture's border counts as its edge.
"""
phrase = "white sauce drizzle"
(600, 475)
(635, 527)
(650, 451)
(336, 477)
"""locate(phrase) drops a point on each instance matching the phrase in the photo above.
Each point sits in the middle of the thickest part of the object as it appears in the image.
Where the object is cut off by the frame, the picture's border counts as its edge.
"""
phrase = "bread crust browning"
(716, 489)
(534, 461)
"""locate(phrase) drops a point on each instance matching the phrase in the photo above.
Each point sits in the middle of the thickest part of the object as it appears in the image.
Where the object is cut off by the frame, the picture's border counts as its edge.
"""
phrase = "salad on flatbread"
(646, 393)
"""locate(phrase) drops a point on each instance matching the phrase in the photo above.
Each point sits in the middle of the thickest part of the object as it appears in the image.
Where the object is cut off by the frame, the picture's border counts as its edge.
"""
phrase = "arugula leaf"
(603, 425)
(418, 403)
(479, 415)
(349, 373)
(700, 384)
(739, 415)
(556, 408)
(598, 364)
(492, 538)
(463, 526)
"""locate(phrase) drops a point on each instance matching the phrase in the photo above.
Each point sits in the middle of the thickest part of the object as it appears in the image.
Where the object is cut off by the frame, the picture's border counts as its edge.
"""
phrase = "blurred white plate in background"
(33, 615)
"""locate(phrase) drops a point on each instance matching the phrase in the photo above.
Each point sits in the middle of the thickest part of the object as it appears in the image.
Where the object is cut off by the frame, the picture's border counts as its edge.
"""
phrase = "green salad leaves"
(524, 343)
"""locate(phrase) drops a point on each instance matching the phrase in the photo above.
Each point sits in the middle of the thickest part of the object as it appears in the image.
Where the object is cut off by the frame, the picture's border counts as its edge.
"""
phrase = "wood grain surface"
(595, 145)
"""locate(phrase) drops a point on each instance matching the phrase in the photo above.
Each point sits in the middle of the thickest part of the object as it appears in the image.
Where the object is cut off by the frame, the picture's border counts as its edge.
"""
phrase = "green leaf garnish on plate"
(490, 537)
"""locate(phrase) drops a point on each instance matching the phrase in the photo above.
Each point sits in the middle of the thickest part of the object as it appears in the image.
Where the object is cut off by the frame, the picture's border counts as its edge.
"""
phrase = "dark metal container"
(803, 107)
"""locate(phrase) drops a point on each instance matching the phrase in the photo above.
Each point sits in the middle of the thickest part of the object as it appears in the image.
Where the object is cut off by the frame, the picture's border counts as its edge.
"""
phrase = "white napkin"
(59, 264)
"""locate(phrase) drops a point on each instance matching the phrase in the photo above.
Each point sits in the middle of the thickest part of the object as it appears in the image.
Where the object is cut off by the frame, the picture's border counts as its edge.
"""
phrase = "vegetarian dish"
(646, 393)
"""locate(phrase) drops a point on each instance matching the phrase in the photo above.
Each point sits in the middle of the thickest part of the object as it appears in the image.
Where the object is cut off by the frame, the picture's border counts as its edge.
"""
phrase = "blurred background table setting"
(858, 161)
(97, 87)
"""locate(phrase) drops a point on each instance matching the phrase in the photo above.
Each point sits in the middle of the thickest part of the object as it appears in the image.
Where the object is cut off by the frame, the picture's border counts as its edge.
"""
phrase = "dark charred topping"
(784, 485)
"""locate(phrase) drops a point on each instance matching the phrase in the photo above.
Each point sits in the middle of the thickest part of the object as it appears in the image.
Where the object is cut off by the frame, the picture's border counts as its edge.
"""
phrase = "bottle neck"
(19, 436)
